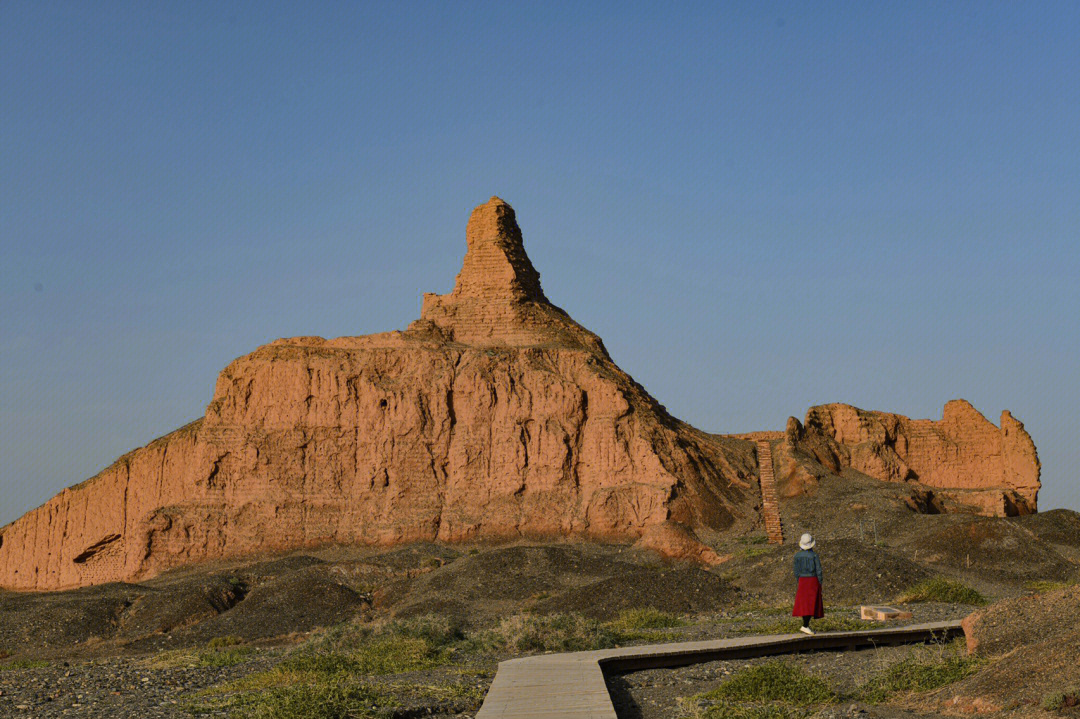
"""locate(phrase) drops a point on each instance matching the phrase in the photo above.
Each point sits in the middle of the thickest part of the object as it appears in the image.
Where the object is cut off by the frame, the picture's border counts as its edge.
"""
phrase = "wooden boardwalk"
(572, 686)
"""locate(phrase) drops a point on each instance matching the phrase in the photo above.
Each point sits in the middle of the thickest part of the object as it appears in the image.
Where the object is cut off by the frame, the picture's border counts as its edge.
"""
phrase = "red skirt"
(808, 599)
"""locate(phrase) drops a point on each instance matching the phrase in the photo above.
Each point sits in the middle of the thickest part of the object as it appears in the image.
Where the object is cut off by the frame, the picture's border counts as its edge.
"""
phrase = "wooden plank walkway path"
(572, 686)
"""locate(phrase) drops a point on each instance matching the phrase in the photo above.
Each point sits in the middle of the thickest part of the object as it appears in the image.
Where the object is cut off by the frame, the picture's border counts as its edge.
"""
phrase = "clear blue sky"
(758, 206)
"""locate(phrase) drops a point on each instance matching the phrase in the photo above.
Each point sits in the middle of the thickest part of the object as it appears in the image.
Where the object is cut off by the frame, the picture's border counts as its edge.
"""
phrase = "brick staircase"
(769, 506)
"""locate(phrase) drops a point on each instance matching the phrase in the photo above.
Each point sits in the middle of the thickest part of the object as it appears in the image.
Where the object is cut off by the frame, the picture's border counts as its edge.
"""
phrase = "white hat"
(807, 542)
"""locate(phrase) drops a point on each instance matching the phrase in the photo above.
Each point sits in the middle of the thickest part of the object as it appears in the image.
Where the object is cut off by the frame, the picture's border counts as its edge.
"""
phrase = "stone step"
(770, 508)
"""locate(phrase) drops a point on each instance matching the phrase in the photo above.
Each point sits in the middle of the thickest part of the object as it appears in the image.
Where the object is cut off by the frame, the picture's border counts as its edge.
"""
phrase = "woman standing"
(808, 604)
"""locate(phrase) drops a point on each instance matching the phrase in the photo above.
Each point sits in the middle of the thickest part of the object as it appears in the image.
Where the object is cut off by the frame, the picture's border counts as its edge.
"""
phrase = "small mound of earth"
(1012, 623)
(298, 601)
(1020, 634)
(853, 572)
(259, 601)
(596, 580)
(680, 590)
(1004, 550)
(415, 557)
(159, 611)
(1058, 527)
(60, 621)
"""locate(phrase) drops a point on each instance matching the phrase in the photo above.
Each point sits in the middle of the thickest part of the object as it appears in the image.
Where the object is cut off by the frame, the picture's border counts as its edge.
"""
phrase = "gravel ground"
(126, 688)
(111, 689)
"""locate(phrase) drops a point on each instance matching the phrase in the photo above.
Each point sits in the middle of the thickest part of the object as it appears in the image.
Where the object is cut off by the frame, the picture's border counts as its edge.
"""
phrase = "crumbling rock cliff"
(493, 416)
(962, 459)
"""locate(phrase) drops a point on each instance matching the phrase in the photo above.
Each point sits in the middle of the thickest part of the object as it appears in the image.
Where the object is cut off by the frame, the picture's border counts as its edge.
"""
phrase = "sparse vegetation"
(223, 657)
(228, 641)
(921, 672)
(778, 681)
(553, 633)
(1042, 586)
(215, 655)
(940, 589)
(24, 664)
(326, 679)
(395, 654)
(1062, 700)
(751, 552)
(333, 697)
(439, 632)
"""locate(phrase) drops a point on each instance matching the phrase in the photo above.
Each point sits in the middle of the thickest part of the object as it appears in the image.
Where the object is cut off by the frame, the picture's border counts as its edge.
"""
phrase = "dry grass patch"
(1042, 586)
(940, 589)
(921, 672)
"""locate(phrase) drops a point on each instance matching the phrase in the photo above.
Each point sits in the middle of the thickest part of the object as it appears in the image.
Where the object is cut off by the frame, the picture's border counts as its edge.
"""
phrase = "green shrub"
(774, 681)
(944, 590)
(1062, 700)
(920, 674)
(220, 642)
(24, 664)
(223, 657)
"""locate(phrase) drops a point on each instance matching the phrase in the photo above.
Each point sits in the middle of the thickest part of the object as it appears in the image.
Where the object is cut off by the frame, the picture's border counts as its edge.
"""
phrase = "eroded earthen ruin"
(962, 458)
(493, 416)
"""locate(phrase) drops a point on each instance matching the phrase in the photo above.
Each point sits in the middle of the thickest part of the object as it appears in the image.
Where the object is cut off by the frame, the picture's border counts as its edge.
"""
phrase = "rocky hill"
(494, 416)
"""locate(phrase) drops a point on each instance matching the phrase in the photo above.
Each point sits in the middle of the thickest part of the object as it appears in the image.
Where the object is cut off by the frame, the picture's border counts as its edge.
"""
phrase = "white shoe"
(806, 630)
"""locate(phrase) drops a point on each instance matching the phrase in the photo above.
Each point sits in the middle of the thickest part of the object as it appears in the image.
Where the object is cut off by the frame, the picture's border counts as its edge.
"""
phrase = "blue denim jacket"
(807, 564)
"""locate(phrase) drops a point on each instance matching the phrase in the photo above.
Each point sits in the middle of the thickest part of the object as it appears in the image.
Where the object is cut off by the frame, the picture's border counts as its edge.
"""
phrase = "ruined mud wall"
(993, 470)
